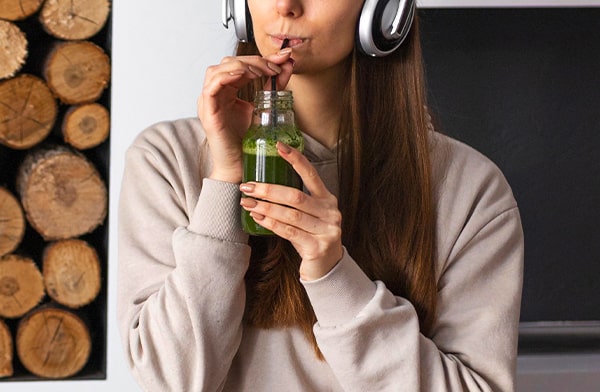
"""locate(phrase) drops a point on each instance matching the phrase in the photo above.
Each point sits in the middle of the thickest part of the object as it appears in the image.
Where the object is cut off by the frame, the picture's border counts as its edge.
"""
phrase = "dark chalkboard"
(523, 87)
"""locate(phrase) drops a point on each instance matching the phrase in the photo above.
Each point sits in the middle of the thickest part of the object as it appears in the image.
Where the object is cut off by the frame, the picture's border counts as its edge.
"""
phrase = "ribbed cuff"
(340, 295)
(218, 212)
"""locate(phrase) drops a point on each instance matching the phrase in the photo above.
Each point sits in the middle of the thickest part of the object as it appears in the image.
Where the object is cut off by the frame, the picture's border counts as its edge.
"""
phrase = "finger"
(270, 65)
(284, 215)
(311, 179)
(222, 84)
(256, 64)
(280, 57)
(220, 95)
(324, 209)
(288, 232)
(234, 78)
(283, 77)
(325, 248)
(237, 72)
(285, 61)
(277, 58)
(279, 194)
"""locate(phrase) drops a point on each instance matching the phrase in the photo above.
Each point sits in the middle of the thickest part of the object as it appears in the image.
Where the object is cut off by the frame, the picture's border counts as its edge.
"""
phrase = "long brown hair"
(385, 194)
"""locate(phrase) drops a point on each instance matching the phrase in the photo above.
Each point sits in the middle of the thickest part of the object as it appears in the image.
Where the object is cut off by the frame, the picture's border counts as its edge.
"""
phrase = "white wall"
(160, 51)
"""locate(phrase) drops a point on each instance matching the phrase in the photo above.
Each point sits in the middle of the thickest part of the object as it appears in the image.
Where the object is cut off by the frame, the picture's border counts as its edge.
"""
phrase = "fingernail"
(274, 67)
(285, 52)
(247, 202)
(255, 71)
(257, 217)
(284, 148)
(247, 188)
(237, 72)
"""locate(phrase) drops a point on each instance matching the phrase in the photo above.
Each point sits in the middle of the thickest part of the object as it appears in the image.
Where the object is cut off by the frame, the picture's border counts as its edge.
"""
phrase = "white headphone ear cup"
(241, 20)
(370, 32)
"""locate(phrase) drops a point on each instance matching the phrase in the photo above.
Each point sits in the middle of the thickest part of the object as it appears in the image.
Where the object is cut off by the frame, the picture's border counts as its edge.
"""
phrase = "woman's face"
(321, 32)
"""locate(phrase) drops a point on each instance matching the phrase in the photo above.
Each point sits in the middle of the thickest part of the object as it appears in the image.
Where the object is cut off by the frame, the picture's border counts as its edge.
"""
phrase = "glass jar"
(272, 121)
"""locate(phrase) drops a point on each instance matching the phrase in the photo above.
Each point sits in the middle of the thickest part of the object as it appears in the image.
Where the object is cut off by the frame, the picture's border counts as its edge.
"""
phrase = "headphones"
(382, 27)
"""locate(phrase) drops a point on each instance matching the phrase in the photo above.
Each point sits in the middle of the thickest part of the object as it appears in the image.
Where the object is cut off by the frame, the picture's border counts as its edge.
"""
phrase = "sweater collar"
(317, 152)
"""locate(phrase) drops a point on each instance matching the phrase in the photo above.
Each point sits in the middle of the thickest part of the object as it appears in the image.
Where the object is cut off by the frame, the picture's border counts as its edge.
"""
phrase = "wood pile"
(54, 154)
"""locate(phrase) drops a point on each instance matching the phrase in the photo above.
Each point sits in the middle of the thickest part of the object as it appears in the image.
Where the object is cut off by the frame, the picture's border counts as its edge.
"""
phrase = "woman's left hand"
(311, 222)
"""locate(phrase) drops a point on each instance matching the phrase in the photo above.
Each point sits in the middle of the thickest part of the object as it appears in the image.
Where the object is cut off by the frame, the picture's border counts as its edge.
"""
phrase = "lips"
(293, 41)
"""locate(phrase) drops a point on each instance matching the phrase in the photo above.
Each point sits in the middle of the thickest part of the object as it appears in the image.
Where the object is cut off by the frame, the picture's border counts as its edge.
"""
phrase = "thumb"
(284, 76)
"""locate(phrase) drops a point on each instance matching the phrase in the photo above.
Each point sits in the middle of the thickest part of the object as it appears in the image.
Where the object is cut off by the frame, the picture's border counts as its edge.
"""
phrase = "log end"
(74, 20)
(28, 111)
(6, 351)
(62, 193)
(12, 222)
(13, 50)
(77, 72)
(21, 286)
(53, 343)
(71, 271)
(15, 10)
(86, 126)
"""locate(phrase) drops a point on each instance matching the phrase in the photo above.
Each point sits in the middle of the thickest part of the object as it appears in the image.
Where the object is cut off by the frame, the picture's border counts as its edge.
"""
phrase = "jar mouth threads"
(274, 106)
(280, 99)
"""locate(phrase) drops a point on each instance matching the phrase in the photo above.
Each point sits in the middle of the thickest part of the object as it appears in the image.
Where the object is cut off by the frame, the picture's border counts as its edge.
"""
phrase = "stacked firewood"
(54, 128)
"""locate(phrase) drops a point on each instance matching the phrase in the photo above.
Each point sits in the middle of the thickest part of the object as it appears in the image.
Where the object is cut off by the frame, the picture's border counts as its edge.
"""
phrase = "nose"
(289, 8)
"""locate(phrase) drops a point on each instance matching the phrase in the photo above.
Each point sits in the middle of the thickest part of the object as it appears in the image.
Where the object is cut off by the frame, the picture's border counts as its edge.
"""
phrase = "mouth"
(293, 41)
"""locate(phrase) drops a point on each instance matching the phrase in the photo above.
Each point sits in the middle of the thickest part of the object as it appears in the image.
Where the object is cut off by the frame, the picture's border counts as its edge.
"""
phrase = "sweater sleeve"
(181, 275)
(372, 340)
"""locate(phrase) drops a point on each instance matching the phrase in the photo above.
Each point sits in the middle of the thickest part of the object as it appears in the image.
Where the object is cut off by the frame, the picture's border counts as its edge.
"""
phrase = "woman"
(399, 268)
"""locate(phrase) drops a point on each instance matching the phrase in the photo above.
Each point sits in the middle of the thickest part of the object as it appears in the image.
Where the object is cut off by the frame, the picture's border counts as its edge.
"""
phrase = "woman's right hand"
(224, 116)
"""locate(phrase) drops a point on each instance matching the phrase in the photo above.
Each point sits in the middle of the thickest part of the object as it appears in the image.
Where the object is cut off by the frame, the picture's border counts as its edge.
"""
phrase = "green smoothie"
(262, 163)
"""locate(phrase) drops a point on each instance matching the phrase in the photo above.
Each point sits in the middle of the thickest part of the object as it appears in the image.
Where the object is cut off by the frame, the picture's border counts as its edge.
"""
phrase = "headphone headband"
(382, 27)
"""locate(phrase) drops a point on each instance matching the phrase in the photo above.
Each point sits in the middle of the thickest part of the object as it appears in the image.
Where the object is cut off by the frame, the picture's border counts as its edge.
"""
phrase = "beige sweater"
(182, 259)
